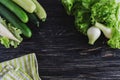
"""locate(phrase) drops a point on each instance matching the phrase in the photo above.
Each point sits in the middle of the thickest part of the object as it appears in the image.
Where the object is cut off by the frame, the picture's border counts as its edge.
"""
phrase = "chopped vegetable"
(103, 14)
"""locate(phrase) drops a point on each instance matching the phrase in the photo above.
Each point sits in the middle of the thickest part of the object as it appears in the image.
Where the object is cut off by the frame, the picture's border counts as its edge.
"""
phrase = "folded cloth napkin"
(22, 68)
(17, 74)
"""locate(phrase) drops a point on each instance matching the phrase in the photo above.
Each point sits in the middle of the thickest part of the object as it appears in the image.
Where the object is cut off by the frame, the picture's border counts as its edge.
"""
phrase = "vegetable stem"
(106, 31)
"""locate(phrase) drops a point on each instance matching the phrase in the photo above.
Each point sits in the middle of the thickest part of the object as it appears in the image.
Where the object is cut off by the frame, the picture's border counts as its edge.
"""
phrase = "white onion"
(93, 34)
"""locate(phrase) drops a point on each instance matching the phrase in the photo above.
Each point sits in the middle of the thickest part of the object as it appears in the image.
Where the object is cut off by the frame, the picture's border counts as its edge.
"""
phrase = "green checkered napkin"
(22, 68)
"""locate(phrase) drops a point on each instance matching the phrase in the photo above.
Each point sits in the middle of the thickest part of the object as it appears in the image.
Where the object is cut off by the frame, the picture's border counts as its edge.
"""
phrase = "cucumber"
(34, 19)
(10, 17)
(27, 5)
(40, 11)
(15, 9)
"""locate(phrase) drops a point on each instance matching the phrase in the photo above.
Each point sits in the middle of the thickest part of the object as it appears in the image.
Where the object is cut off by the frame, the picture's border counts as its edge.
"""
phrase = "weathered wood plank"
(63, 53)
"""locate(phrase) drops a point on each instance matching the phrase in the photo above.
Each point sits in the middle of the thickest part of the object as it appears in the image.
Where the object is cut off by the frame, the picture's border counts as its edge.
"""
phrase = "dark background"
(63, 53)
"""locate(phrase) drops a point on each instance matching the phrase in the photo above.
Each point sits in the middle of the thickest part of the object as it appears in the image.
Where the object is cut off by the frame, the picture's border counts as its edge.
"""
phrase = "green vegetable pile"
(95, 16)
(14, 16)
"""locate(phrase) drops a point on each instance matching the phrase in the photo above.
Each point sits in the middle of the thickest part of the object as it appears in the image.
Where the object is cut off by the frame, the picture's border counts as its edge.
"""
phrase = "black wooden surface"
(63, 53)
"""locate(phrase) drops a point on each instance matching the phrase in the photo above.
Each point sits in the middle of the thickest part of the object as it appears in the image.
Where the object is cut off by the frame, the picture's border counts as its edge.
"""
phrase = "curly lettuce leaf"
(68, 4)
(114, 41)
(87, 4)
(82, 12)
(82, 21)
(104, 12)
(16, 32)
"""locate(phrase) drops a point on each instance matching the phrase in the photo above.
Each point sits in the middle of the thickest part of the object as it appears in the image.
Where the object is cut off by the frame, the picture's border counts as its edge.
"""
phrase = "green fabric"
(22, 68)
(16, 75)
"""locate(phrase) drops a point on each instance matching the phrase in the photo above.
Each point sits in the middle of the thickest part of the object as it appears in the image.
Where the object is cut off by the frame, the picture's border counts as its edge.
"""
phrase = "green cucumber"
(34, 19)
(40, 11)
(15, 9)
(10, 17)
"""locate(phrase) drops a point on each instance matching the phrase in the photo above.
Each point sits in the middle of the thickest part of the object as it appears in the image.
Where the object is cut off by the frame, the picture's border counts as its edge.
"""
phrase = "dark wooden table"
(63, 53)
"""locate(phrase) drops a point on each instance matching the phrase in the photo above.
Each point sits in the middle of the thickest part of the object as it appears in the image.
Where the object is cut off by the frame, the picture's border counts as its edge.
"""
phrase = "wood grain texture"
(63, 53)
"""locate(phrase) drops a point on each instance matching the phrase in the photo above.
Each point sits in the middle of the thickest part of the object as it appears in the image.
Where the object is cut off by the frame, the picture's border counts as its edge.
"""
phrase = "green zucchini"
(10, 17)
(40, 11)
(15, 9)
(34, 19)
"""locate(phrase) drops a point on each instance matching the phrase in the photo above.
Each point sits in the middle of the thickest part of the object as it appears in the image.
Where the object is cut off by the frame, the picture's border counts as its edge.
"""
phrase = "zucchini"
(40, 11)
(10, 17)
(34, 19)
(27, 5)
(15, 9)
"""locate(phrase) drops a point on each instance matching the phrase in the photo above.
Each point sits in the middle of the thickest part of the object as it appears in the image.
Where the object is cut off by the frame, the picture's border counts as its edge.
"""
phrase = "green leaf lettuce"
(16, 32)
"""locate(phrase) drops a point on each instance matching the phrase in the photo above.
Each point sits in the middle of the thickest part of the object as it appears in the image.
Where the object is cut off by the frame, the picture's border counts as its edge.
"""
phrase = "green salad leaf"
(7, 42)
(68, 4)
(105, 12)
